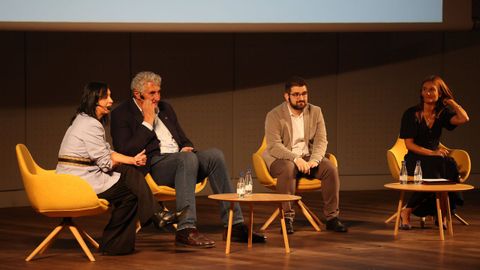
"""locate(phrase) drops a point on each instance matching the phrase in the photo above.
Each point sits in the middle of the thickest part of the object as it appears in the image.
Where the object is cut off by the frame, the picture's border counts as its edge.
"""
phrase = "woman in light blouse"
(86, 153)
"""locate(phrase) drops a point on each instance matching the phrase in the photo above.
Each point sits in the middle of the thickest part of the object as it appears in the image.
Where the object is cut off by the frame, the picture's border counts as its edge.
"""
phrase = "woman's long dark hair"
(444, 92)
(92, 93)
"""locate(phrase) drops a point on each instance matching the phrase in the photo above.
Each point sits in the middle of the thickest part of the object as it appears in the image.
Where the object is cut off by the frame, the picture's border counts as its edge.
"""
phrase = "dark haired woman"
(421, 128)
(85, 152)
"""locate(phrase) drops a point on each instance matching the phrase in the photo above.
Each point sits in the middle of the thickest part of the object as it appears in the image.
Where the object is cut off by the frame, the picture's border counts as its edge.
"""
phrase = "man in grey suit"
(296, 145)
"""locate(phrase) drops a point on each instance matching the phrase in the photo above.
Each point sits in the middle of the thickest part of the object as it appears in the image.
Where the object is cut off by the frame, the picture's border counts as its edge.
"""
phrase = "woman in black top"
(421, 128)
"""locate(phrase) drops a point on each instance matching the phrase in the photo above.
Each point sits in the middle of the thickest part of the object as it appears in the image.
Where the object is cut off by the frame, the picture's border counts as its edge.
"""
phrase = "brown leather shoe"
(190, 237)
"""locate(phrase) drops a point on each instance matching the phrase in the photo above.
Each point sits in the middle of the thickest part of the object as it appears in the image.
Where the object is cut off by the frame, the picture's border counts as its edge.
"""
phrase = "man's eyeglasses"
(297, 95)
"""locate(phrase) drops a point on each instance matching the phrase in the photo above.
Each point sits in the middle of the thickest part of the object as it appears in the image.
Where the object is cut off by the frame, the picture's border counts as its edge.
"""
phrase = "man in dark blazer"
(145, 122)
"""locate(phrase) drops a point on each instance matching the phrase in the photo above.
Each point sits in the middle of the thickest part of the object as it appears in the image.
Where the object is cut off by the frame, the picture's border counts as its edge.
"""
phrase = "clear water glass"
(417, 174)
(241, 187)
(248, 183)
(403, 174)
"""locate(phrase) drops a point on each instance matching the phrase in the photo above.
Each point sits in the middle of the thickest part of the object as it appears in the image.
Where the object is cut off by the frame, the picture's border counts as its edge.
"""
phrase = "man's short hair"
(142, 78)
(294, 81)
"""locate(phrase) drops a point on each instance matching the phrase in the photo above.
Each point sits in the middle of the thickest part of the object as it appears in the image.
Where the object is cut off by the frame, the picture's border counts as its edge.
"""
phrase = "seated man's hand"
(186, 149)
(312, 164)
(148, 109)
(302, 165)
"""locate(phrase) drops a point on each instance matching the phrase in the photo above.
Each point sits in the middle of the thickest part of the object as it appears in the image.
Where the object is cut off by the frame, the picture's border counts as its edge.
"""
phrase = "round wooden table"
(441, 193)
(251, 200)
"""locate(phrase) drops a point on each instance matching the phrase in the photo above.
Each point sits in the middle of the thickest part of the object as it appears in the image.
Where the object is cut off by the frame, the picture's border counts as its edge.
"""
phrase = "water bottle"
(241, 186)
(417, 175)
(403, 173)
(248, 183)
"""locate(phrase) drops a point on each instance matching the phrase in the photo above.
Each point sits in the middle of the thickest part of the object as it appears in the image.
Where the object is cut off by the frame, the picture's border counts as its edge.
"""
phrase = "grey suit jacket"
(85, 138)
(278, 133)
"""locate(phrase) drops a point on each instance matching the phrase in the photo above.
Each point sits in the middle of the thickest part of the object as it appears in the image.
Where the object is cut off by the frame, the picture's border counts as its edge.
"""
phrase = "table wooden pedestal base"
(250, 200)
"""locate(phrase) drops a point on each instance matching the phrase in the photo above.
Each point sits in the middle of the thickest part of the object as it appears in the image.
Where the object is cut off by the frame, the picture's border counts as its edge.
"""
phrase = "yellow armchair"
(303, 185)
(58, 195)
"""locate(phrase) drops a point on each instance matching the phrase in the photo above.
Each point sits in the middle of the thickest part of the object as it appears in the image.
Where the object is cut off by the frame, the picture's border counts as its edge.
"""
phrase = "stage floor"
(369, 244)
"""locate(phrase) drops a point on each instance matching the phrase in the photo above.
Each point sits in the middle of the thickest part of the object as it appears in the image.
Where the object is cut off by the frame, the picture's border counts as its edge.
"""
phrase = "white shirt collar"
(134, 101)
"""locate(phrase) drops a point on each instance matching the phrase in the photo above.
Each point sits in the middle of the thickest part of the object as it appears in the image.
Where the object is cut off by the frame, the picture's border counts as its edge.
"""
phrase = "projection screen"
(230, 15)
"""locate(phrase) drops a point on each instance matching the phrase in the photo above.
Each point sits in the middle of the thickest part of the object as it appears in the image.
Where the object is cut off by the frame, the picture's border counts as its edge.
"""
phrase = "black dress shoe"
(288, 226)
(240, 234)
(190, 237)
(336, 225)
(164, 218)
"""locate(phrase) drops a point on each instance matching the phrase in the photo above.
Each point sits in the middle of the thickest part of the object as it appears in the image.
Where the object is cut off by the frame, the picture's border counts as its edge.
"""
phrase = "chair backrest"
(55, 194)
(26, 162)
(395, 156)
(464, 163)
(398, 151)
(28, 170)
(260, 167)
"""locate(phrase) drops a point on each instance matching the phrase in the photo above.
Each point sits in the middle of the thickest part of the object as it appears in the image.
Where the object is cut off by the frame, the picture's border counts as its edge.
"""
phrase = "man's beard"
(299, 106)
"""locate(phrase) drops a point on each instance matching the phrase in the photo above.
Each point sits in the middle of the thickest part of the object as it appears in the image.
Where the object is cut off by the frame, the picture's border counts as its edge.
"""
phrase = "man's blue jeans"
(183, 170)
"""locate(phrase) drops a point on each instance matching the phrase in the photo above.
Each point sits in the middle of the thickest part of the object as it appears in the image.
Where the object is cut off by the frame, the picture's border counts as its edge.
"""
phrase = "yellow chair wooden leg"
(90, 239)
(45, 243)
(461, 219)
(81, 242)
(309, 217)
(46, 246)
(270, 220)
(315, 217)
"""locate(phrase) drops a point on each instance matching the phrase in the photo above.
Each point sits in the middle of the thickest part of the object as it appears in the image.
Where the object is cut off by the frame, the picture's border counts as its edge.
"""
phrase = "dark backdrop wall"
(222, 85)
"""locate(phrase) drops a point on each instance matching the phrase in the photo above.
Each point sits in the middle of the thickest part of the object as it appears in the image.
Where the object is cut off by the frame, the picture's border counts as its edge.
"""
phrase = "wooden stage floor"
(369, 244)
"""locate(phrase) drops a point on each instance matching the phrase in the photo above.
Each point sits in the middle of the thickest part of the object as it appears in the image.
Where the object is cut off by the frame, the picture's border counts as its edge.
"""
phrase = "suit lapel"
(137, 114)
(306, 124)
(288, 121)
